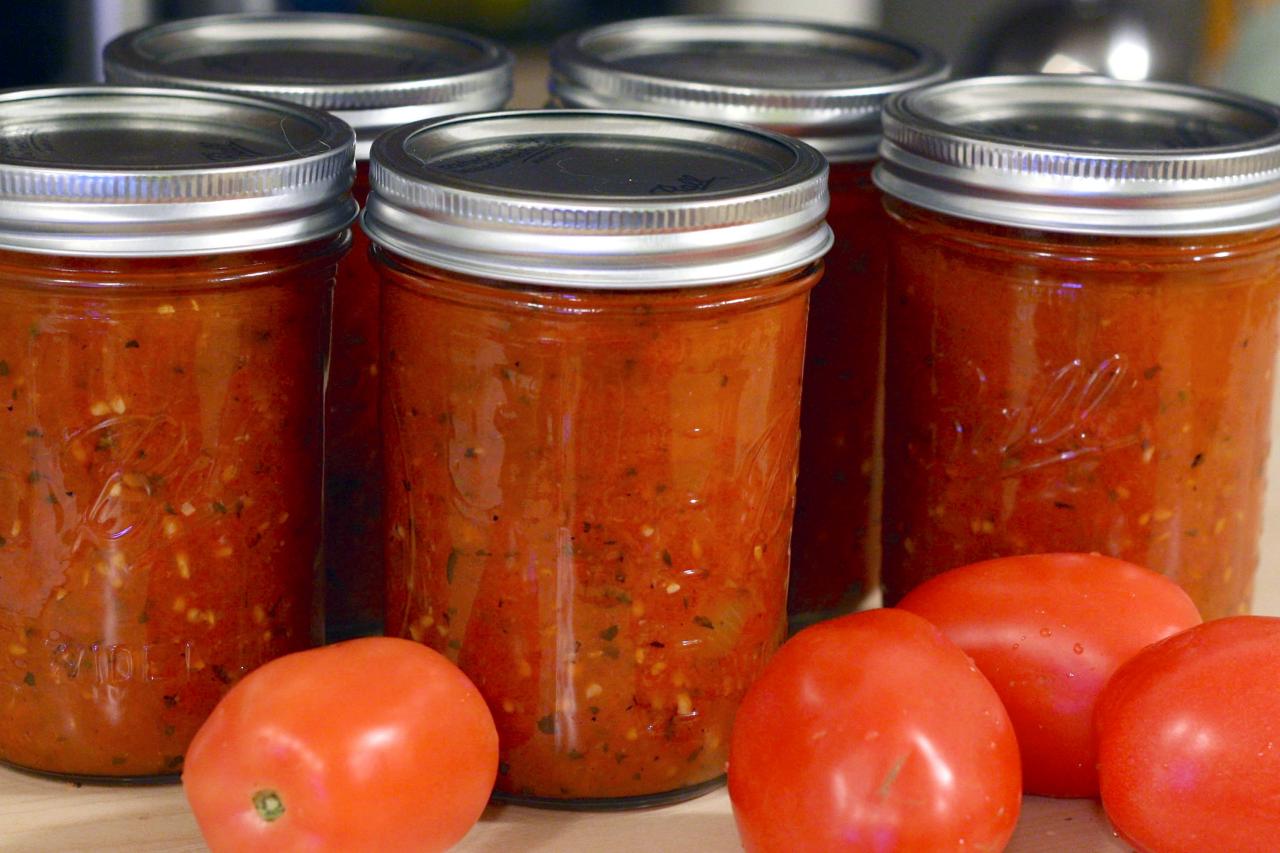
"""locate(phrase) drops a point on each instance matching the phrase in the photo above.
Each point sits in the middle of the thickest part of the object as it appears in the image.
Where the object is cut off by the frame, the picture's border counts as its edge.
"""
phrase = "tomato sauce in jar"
(166, 260)
(374, 73)
(592, 358)
(1082, 327)
(823, 84)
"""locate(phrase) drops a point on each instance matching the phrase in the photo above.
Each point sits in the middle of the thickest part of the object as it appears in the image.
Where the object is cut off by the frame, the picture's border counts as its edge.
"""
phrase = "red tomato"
(1189, 741)
(376, 744)
(1048, 630)
(873, 732)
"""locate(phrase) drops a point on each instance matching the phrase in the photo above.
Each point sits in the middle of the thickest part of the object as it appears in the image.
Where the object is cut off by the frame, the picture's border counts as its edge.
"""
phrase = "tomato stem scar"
(268, 805)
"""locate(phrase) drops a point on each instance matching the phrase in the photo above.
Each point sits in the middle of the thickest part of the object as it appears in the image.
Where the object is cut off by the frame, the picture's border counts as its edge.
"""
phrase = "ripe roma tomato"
(1189, 741)
(377, 744)
(873, 732)
(1048, 630)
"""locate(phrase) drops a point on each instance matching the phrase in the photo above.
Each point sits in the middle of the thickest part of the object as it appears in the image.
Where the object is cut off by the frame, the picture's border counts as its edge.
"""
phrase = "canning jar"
(166, 259)
(593, 333)
(1081, 327)
(374, 73)
(823, 84)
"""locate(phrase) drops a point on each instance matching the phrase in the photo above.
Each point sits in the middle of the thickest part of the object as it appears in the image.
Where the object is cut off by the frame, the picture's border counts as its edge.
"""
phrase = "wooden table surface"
(39, 816)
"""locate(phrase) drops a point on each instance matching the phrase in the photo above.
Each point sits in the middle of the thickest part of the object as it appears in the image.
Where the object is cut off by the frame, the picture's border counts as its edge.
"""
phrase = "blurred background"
(1229, 43)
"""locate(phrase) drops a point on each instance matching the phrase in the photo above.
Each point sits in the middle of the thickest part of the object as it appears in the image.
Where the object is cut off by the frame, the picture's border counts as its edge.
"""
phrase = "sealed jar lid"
(374, 73)
(114, 171)
(824, 84)
(578, 198)
(1085, 155)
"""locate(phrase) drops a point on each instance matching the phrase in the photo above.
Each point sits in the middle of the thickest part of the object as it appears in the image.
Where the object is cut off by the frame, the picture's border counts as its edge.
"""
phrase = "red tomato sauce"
(160, 458)
(835, 547)
(589, 497)
(1051, 392)
(355, 594)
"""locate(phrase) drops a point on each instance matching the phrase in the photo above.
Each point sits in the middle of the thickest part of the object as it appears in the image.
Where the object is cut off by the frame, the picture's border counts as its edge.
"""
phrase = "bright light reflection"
(938, 767)
(380, 738)
(1061, 63)
(1128, 59)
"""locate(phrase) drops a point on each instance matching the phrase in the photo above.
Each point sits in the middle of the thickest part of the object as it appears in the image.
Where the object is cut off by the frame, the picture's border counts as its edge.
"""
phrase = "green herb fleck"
(1197, 460)
(144, 618)
(131, 344)
(886, 785)
(4, 368)
(503, 768)
(219, 506)
(169, 510)
(574, 755)
(666, 556)
(173, 762)
(470, 453)
(450, 564)
(3, 541)
(117, 760)
(547, 724)
(34, 433)
(704, 622)
(29, 679)
(609, 633)
(169, 730)
(33, 477)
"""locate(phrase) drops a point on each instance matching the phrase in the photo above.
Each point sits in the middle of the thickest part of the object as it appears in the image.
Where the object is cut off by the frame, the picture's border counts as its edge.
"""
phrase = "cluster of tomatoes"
(915, 728)
(918, 728)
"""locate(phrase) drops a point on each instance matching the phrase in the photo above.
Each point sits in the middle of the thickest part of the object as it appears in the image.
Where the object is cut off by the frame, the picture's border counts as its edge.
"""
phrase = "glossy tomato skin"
(1048, 630)
(873, 732)
(1189, 741)
(377, 744)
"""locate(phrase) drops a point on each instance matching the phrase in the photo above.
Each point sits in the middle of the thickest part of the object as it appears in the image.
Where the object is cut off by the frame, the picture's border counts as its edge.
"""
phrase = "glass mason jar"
(166, 259)
(591, 397)
(1082, 327)
(825, 85)
(374, 73)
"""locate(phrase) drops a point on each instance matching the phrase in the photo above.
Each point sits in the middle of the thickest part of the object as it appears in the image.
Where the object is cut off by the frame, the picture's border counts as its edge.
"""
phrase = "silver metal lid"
(824, 84)
(1085, 155)
(576, 198)
(114, 171)
(373, 73)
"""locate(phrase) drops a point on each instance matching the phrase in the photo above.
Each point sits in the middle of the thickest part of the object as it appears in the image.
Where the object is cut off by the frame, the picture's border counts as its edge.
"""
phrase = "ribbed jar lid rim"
(374, 72)
(132, 171)
(596, 199)
(1085, 155)
(821, 82)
